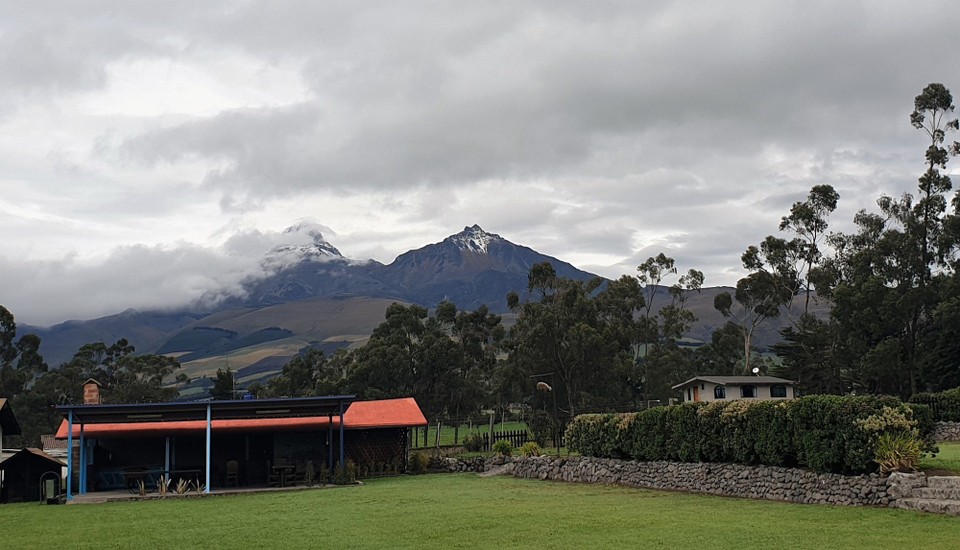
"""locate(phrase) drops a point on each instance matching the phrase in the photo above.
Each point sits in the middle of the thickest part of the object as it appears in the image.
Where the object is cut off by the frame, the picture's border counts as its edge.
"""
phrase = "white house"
(727, 388)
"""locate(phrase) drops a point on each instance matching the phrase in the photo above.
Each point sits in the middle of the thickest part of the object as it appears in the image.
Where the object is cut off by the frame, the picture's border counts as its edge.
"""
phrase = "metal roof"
(737, 380)
(294, 407)
(8, 422)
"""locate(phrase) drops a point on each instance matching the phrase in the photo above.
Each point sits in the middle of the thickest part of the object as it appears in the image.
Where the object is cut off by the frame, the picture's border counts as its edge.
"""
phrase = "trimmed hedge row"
(822, 432)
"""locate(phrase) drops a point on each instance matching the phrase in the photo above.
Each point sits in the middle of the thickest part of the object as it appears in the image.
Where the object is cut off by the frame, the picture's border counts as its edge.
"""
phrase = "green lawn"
(467, 511)
(947, 459)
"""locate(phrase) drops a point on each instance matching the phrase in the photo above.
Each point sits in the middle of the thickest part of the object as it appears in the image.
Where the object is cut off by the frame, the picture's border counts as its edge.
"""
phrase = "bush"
(530, 448)
(541, 426)
(474, 442)
(898, 452)
(344, 475)
(503, 447)
(417, 462)
(825, 433)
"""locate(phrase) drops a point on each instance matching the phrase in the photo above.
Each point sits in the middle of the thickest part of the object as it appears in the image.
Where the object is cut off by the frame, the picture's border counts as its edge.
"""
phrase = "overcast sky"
(153, 152)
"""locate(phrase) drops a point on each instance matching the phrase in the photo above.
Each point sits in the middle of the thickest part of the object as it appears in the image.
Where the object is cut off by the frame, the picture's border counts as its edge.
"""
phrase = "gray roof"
(737, 380)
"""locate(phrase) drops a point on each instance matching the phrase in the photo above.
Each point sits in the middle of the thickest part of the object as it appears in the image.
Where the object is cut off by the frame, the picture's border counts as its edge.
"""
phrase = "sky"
(152, 152)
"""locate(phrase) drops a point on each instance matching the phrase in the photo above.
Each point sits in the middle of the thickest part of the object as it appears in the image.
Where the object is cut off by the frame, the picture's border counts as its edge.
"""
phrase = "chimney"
(91, 392)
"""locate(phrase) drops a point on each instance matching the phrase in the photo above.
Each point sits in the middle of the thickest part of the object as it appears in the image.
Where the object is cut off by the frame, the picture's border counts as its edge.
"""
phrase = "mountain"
(470, 268)
(314, 295)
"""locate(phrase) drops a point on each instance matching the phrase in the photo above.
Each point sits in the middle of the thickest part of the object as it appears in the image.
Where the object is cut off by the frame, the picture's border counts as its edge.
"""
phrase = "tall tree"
(891, 279)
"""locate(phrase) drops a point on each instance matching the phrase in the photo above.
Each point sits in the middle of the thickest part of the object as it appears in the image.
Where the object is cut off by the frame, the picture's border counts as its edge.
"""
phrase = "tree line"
(573, 346)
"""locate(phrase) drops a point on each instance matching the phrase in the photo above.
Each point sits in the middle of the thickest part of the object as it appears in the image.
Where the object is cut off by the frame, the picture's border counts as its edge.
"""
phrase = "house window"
(719, 392)
(689, 397)
(778, 390)
(748, 391)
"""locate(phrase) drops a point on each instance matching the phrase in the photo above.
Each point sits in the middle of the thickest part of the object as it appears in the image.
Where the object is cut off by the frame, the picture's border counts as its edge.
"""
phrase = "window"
(748, 390)
(778, 390)
(689, 397)
(719, 392)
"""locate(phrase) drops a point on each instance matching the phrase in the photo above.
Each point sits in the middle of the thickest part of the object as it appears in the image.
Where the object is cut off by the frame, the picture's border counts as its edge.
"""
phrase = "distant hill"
(314, 296)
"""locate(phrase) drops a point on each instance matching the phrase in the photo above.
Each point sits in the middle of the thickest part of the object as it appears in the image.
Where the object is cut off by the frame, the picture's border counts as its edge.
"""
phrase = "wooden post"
(493, 416)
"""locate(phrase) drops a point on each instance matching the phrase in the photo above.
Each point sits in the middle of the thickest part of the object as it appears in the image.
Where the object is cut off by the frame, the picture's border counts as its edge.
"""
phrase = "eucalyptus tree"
(893, 282)
(565, 333)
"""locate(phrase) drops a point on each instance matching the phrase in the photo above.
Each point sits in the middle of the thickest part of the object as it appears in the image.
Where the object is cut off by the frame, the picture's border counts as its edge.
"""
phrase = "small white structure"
(728, 388)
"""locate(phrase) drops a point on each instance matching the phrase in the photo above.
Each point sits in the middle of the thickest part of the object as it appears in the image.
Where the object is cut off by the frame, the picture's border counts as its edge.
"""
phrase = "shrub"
(417, 463)
(345, 474)
(503, 447)
(541, 426)
(898, 451)
(474, 442)
(823, 432)
(530, 448)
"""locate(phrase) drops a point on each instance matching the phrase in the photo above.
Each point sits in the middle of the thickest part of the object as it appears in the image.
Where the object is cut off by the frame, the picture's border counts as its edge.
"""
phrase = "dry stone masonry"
(910, 491)
(757, 482)
(947, 431)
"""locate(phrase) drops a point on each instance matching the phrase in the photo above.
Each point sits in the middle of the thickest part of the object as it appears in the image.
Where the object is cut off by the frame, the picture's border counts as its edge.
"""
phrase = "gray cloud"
(184, 134)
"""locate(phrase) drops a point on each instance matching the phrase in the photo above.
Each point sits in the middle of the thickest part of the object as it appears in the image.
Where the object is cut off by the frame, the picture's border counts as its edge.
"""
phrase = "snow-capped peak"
(305, 243)
(473, 239)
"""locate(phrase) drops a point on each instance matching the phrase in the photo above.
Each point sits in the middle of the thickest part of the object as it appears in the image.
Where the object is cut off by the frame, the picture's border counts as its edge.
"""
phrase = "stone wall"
(758, 482)
(735, 480)
(947, 431)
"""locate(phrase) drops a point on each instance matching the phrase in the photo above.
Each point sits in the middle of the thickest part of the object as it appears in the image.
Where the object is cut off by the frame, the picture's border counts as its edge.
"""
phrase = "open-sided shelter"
(223, 443)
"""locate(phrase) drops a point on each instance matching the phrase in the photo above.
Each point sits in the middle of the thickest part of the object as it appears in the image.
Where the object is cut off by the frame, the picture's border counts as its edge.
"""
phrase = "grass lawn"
(467, 511)
(947, 459)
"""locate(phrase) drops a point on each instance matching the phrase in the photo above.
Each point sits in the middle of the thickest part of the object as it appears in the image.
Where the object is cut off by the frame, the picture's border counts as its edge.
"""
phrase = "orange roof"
(384, 413)
(387, 413)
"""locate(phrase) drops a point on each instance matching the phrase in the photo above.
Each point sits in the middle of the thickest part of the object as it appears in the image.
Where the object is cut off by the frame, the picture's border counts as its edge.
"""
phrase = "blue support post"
(342, 463)
(70, 455)
(207, 488)
(166, 456)
(82, 489)
(330, 446)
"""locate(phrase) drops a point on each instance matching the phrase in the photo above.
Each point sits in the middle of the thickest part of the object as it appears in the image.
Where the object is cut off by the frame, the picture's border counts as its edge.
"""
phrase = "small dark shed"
(22, 473)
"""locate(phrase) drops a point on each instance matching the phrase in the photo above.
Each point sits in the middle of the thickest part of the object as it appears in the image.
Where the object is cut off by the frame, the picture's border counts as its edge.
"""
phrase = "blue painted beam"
(342, 463)
(207, 488)
(70, 455)
(82, 489)
(330, 447)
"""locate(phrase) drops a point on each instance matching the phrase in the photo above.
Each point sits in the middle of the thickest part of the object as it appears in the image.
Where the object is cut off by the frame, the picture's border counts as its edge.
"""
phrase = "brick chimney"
(91, 392)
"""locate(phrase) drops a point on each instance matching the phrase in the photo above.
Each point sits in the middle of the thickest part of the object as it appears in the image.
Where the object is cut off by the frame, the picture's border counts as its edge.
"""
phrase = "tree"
(892, 281)
(300, 377)
(760, 296)
(224, 385)
(657, 356)
(575, 334)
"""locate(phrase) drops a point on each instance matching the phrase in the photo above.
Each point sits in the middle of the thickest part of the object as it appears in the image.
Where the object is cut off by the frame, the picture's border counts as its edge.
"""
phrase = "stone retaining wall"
(947, 431)
(735, 480)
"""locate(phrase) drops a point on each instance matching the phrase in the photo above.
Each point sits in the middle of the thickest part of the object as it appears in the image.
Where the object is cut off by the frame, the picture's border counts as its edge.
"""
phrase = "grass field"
(467, 511)
(947, 459)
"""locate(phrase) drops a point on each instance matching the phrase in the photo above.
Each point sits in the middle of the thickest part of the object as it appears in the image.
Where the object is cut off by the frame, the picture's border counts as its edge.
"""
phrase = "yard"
(948, 459)
(467, 511)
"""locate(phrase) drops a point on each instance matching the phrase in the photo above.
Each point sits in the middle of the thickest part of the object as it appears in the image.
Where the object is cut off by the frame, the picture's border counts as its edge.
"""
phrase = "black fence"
(516, 438)
(944, 408)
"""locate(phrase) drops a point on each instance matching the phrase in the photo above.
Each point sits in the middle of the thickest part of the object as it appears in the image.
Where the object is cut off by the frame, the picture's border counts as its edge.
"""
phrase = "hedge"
(822, 432)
